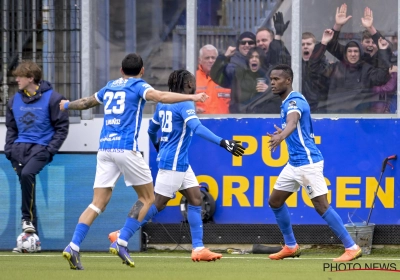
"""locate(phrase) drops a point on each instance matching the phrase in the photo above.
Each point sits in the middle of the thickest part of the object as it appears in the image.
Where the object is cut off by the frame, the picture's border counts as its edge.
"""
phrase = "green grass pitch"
(178, 265)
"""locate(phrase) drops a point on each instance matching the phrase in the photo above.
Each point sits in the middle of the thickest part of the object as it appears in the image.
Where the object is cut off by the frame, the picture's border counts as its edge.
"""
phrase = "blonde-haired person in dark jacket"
(36, 129)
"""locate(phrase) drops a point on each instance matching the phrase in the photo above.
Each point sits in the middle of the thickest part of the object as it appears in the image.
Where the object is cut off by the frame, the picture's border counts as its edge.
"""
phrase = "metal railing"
(237, 16)
(249, 15)
(46, 32)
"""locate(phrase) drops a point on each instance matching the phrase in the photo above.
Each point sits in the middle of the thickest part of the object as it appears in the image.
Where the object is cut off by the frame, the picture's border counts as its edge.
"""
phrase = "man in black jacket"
(314, 86)
(272, 44)
(36, 129)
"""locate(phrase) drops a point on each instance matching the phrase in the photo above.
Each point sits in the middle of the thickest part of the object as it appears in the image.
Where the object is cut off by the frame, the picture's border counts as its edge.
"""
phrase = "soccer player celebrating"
(305, 168)
(178, 122)
(118, 153)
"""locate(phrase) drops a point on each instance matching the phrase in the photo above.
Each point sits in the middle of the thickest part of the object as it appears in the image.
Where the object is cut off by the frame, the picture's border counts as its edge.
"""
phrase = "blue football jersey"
(301, 144)
(123, 101)
(176, 135)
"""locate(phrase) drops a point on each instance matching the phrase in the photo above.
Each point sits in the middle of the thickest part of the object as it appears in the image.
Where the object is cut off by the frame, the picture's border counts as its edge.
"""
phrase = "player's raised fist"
(200, 97)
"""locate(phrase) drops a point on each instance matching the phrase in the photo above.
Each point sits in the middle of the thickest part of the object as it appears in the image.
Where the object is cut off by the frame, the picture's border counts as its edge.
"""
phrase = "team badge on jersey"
(292, 105)
(190, 112)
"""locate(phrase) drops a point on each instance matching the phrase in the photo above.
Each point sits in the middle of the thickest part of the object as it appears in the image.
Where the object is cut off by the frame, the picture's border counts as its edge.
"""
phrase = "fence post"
(87, 64)
(191, 36)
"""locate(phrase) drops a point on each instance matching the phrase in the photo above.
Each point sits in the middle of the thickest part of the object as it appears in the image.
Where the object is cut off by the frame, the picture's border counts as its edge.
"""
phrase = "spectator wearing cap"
(223, 70)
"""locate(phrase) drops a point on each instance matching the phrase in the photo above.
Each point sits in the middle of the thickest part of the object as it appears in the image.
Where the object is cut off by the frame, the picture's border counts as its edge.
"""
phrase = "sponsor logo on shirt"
(112, 150)
(191, 112)
(30, 108)
(119, 82)
(113, 121)
(111, 137)
(164, 139)
(146, 85)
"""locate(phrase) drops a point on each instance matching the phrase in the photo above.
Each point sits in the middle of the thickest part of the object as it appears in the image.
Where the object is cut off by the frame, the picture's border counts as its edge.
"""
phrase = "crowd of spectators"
(360, 76)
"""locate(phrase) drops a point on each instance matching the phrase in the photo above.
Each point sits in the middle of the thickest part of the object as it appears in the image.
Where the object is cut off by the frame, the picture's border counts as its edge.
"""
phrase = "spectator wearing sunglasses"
(223, 70)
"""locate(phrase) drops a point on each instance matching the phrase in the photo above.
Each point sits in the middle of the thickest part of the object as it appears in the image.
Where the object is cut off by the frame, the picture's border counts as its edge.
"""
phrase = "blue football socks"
(282, 216)
(336, 224)
(196, 225)
(79, 234)
(150, 214)
(129, 229)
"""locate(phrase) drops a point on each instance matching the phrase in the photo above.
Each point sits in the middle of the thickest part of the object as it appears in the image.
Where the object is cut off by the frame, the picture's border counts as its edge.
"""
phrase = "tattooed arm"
(80, 104)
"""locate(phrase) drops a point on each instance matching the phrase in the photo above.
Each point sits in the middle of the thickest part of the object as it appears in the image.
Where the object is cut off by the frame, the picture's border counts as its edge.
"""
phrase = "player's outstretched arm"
(168, 97)
(80, 104)
(152, 131)
(231, 146)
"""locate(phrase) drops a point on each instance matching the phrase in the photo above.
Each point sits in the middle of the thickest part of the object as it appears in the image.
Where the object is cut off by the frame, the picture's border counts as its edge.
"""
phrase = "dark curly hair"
(177, 79)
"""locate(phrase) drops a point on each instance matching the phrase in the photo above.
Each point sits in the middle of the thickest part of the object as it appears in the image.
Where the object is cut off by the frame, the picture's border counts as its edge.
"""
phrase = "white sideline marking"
(182, 257)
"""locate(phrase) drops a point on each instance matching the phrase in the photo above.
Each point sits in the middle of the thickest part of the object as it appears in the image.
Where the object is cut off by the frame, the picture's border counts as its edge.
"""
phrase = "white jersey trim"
(145, 91)
(191, 117)
(291, 111)
(288, 96)
(178, 149)
(136, 125)
(97, 98)
(154, 121)
(303, 144)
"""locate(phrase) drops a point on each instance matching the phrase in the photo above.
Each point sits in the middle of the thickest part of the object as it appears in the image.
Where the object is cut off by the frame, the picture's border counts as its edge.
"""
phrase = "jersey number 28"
(166, 120)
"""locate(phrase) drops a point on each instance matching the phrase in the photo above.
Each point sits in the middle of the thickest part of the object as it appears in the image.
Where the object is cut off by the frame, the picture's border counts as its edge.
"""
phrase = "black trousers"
(27, 178)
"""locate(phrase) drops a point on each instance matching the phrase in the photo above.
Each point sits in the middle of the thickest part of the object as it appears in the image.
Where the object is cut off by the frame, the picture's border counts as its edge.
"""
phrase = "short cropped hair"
(266, 29)
(285, 68)
(28, 69)
(308, 35)
(132, 64)
(208, 47)
(366, 35)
